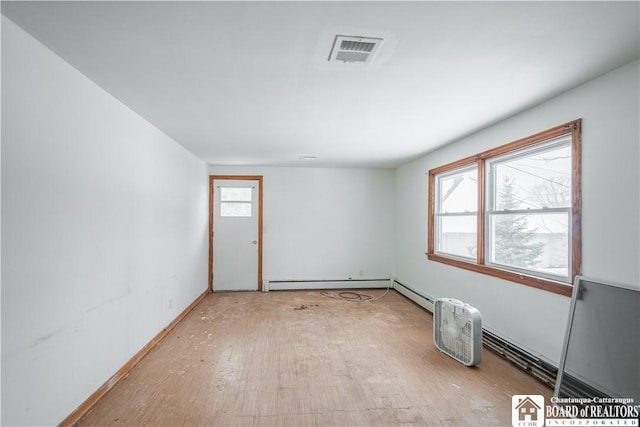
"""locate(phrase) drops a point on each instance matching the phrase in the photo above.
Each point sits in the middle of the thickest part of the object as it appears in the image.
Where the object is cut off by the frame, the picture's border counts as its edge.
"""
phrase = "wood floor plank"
(300, 358)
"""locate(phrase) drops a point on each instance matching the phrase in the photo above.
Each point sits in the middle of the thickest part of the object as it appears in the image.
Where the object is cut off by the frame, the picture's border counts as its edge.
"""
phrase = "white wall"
(105, 225)
(533, 318)
(104, 233)
(325, 223)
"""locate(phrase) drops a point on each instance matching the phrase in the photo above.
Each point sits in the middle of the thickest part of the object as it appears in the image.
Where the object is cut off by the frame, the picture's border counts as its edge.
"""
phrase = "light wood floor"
(298, 358)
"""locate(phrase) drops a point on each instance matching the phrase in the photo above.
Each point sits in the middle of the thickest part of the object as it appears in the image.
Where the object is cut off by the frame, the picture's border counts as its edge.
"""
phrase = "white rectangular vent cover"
(354, 48)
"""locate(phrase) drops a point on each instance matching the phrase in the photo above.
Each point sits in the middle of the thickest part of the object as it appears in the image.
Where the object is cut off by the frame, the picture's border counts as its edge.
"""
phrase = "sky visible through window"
(539, 181)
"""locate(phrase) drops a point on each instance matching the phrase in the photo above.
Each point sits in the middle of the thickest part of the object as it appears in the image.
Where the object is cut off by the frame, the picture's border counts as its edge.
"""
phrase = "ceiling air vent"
(354, 48)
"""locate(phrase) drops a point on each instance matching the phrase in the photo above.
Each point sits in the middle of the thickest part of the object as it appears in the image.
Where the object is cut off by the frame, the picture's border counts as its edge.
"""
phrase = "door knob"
(255, 242)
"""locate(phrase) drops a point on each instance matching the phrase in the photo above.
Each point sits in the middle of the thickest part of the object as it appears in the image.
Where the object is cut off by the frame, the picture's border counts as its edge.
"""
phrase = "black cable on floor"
(353, 296)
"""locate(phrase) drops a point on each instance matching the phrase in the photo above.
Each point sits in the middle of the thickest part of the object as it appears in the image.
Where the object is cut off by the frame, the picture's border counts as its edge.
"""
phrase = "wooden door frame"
(211, 201)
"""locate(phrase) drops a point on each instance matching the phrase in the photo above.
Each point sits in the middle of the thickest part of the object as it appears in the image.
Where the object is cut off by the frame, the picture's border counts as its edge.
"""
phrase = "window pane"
(457, 235)
(537, 242)
(235, 194)
(235, 209)
(458, 192)
(527, 210)
(534, 180)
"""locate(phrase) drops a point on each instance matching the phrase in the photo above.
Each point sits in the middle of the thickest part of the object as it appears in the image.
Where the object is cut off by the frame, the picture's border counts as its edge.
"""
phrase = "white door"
(235, 235)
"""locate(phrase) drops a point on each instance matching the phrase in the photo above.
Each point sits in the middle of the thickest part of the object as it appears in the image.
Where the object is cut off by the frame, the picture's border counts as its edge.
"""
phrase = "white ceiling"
(248, 83)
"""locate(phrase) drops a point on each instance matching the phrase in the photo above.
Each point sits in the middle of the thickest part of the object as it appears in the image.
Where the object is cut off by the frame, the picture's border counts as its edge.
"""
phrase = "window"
(235, 201)
(456, 212)
(528, 210)
(513, 212)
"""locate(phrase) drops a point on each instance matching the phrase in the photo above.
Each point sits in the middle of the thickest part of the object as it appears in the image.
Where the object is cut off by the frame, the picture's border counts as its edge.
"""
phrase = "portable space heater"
(457, 330)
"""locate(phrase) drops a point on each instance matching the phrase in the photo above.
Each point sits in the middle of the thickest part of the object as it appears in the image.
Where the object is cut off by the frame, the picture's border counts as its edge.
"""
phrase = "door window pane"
(235, 194)
(236, 201)
(235, 209)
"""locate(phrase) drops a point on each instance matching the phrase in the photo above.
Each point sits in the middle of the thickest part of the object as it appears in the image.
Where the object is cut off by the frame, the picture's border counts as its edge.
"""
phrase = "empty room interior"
(271, 213)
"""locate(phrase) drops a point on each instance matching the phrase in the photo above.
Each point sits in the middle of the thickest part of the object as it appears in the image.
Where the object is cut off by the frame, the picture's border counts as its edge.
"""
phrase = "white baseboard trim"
(422, 300)
(282, 285)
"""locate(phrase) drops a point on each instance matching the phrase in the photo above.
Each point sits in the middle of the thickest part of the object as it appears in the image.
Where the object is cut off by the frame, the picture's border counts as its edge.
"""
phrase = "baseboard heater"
(281, 285)
(420, 299)
(534, 366)
(538, 368)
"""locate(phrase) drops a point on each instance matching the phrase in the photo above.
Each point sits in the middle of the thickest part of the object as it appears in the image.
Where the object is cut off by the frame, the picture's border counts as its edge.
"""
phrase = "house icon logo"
(527, 410)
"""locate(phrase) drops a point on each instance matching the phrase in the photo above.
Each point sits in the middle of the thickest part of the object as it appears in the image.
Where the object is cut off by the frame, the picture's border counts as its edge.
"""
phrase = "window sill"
(523, 279)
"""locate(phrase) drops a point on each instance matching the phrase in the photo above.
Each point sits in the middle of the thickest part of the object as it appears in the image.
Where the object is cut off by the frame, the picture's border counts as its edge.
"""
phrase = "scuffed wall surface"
(104, 233)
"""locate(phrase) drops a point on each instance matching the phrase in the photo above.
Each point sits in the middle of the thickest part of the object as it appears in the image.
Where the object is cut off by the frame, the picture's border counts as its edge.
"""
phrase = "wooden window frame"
(573, 128)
